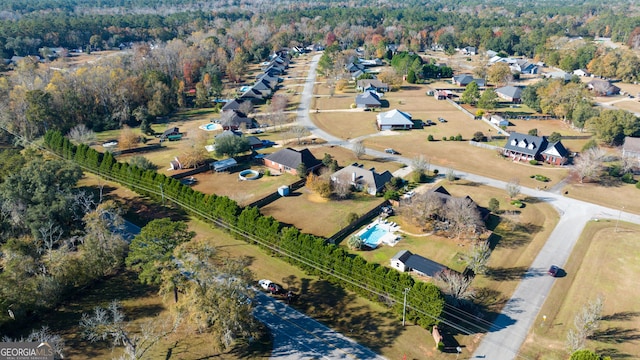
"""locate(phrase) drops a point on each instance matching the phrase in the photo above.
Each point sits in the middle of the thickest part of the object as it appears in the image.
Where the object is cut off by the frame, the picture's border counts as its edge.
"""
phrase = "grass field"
(603, 263)
(615, 197)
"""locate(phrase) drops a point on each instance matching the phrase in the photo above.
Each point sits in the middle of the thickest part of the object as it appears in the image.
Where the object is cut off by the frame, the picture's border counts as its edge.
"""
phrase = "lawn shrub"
(459, 137)
(517, 203)
(540, 178)
(533, 162)
(628, 178)
(452, 138)
(430, 137)
(352, 217)
(444, 138)
(300, 249)
(638, 185)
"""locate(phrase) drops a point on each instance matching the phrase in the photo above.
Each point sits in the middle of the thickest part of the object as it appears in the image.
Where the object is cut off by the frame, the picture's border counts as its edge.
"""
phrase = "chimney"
(353, 176)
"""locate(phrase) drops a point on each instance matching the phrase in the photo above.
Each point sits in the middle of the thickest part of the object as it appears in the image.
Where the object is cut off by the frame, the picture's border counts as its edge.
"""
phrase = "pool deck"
(390, 238)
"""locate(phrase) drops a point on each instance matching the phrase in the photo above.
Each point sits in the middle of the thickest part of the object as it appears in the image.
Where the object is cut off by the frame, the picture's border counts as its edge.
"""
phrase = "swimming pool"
(373, 236)
(210, 127)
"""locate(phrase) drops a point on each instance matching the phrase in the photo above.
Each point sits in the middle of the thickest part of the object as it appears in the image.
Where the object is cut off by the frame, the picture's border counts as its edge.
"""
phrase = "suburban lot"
(604, 263)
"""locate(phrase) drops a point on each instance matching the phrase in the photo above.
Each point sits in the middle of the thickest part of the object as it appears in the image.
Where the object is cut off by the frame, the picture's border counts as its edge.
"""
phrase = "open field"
(346, 157)
(595, 268)
(615, 197)
(315, 215)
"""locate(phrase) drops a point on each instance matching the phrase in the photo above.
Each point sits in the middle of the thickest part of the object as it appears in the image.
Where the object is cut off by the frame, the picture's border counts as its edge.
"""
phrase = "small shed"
(283, 190)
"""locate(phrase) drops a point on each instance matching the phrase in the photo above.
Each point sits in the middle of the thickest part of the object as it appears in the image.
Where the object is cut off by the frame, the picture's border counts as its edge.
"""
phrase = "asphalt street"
(297, 336)
(512, 326)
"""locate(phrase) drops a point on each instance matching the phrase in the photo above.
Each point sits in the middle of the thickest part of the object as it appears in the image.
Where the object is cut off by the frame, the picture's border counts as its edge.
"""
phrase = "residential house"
(357, 74)
(233, 105)
(445, 196)
(351, 67)
(558, 75)
(252, 95)
(466, 79)
(510, 93)
(367, 180)
(496, 120)
(263, 87)
(368, 100)
(490, 53)
(371, 63)
(602, 87)
(372, 84)
(581, 72)
(523, 66)
(405, 261)
(523, 147)
(235, 119)
(172, 131)
(273, 81)
(254, 141)
(274, 70)
(394, 120)
(223, 165)
(288, 160)
(469, 50)
(631, 147)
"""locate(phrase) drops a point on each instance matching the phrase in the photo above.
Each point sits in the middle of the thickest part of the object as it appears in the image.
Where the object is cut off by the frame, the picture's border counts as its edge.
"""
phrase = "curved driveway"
(512, 326)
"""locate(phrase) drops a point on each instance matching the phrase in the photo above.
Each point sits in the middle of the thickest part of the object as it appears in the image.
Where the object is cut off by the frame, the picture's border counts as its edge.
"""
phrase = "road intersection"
(511, 327)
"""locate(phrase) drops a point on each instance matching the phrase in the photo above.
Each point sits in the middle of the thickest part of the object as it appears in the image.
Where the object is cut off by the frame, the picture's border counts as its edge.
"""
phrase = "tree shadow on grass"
(621, 316)
(506, 274)
(613, 353)
(615, 335)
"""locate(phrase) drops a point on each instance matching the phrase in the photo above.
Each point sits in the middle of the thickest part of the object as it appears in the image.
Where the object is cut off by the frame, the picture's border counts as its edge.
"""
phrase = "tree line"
(311, 253)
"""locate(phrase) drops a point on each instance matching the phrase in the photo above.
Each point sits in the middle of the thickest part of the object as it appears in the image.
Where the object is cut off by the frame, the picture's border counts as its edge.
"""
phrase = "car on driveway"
(553, 271)
(442, 120)
(391, 151)
(270, 286)
(429, 123)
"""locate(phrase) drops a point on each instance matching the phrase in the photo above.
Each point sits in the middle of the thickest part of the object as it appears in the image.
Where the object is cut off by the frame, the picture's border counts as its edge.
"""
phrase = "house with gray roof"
(253, 95)
(235, 119)
(405, 261)
(367, 180)
(558, 75)
(466, 79)
(288, 160)
(394, 120)
(233, 105)
(602, 87)
(372, 84)
(510, 93)
(368, 100)
(631, 147)
(263, 87)
(523, 66)
(522, 147)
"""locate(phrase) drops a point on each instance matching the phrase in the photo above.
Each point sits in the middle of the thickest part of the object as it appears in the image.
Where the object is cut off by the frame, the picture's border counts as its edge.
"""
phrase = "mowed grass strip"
(616, 197)
(603, 263)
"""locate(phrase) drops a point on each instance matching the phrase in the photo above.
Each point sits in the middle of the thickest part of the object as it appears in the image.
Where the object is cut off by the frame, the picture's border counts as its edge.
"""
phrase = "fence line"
(483, 145)
(276, 195)
(342, 233)
(464, 111)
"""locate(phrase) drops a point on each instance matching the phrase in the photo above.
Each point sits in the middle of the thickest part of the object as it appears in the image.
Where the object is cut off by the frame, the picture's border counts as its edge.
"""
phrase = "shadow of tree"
(613, 353)
(615, 335)
(621, 316)
(506, 274)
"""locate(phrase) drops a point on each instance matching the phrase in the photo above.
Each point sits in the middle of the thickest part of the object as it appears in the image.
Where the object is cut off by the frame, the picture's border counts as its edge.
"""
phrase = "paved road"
(512, 326)
(297, 336)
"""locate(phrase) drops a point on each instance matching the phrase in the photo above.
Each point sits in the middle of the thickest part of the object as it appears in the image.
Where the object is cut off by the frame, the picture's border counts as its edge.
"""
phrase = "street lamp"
(404, 307)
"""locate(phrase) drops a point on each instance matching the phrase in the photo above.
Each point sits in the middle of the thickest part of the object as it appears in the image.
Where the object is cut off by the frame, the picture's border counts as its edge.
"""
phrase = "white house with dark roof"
(631, 147)
(466, 79)
(558, 75)
(405, 260)
(394, 120)
(362, 179)
(510, 93)
(372, 84)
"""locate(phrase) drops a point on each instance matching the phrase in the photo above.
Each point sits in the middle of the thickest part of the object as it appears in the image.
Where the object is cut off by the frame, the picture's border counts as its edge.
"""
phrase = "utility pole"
(404, 307)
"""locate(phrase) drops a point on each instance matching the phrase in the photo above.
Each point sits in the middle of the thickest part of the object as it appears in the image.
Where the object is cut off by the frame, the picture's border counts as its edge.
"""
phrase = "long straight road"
(511, 327)
(297, 336)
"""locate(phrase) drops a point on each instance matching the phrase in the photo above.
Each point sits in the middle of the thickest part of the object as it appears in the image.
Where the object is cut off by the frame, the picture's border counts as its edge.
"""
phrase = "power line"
(145, 185)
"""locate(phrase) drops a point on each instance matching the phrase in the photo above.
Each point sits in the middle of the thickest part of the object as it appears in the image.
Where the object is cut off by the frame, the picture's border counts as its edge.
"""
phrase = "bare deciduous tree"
(464, 217)
(51, 235)
(588, 164)
(478, 257)
(342, 186)
(513, 188)
(451, 176)
(423, 208)
(80, 134)
(108, 323)
(421, 164)
(359, 150)
(586, 322)
(246, 107)
(456, 286)
(298, 132)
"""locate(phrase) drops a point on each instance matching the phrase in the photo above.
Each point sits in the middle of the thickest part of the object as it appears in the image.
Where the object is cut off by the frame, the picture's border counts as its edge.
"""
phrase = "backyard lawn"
(603, 263)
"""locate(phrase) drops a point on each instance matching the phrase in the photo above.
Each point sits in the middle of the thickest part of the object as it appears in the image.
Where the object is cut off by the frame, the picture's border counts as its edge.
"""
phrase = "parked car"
(264, 283)
(553, 271)
(270, 286)
(429, 122)
(442, 120)
(391, 151)
(409, 194)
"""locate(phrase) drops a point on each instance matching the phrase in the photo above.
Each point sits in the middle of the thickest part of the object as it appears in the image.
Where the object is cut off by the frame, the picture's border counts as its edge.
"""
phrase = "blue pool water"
(372, 236)
(210, 126)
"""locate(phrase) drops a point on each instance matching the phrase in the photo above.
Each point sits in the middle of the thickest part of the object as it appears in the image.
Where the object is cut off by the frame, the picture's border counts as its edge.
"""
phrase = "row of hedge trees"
(311, 253)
